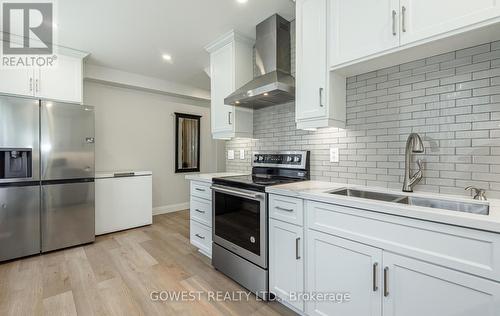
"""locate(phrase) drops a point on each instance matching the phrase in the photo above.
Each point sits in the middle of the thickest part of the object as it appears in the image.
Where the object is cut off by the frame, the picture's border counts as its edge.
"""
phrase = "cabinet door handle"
(200, 211)
(31, 84)
(375, 287)
(199, 236)
(229, 118)
(394, 22)
(321, 97)
(403, 18)
(386, 280)
(297, 255)
(201, 190)
(284, 209)
(37, 86)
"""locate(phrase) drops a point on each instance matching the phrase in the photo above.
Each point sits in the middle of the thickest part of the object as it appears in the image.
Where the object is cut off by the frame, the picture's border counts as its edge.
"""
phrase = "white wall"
(136, 130)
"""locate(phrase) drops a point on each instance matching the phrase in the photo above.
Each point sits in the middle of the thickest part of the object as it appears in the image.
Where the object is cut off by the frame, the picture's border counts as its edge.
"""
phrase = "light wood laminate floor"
(116, 274)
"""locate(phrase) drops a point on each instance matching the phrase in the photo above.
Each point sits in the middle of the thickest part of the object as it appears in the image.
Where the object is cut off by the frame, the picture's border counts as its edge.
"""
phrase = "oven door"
(240, 222)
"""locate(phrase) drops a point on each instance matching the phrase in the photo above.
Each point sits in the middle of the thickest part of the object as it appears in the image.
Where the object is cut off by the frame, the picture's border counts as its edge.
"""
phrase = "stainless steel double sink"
(475, 208)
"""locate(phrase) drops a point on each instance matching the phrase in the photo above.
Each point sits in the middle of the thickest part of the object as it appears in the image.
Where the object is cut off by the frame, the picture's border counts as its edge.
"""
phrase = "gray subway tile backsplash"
(452, 100)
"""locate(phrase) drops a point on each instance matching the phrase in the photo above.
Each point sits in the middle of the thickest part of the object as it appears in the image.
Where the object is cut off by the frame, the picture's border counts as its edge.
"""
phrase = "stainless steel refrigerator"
(46, 176)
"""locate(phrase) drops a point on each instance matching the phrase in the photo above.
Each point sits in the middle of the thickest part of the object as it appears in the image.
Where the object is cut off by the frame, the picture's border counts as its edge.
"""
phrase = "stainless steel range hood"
(274, 85)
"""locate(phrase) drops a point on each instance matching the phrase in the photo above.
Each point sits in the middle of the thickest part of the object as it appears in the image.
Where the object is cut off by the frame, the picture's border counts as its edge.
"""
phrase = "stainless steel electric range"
(240, 216)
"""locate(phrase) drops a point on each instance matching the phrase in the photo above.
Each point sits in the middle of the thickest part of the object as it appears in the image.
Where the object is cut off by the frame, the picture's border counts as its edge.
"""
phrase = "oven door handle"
(255, 196)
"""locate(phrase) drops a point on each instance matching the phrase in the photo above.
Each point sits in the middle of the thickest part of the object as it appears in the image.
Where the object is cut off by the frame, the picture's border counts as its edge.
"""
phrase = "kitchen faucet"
(479, 194)
(414, 144)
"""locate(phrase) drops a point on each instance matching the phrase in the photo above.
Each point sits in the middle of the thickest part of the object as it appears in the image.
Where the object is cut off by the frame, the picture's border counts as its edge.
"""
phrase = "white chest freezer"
(123, 200)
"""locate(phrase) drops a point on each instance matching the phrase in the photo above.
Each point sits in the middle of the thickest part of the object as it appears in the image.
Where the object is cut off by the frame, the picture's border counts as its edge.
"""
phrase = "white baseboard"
(170, 208)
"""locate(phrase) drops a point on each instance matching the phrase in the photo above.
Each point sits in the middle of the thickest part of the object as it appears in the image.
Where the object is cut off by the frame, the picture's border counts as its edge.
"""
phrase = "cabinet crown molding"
(58, 49)
(231, 36)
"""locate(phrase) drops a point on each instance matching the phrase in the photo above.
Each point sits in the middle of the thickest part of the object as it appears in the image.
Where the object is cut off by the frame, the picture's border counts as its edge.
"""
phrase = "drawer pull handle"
(284, 209)
(386, 280)
(201, 190)
(375, 287)
(297, 255)
(200, 211)
(199, 236)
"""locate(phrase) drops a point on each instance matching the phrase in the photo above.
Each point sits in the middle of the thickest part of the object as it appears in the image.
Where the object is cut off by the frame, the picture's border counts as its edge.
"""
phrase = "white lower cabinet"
(286, 262)
(201, 237)
(372, 264)
(200, 224)
(201, 211)
(416, 288)
(336, 265)
(382, 283)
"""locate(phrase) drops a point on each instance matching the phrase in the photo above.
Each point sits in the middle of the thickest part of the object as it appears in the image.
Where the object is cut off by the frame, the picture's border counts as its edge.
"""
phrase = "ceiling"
(132, 35)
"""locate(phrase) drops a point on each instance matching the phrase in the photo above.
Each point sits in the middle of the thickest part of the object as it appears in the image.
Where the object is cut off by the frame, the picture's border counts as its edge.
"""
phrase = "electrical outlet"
(230, 154)
(242, 154)
(334, 154)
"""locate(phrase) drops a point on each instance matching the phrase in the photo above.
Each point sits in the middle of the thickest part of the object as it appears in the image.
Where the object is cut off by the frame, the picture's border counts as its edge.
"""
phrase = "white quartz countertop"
(207, 177)
(319, 191)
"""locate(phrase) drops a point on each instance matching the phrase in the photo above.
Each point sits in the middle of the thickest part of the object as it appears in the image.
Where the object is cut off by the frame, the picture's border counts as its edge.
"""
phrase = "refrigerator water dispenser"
(15, 163)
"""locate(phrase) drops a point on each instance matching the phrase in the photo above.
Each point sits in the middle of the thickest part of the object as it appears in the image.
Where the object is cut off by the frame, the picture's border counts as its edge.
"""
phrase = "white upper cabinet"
(221, 86)
(366, 35)
(17, 81)
(320, 96)
(422, 19)
(311, 58)
(416, 288)
(231, 66)
(360, 28)
(63, 82)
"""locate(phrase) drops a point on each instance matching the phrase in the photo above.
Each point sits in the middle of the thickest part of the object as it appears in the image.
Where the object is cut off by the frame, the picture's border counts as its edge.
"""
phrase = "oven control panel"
(286, 159)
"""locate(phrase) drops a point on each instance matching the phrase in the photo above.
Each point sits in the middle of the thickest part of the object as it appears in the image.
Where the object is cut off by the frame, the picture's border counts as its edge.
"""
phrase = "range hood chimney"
(274, 84)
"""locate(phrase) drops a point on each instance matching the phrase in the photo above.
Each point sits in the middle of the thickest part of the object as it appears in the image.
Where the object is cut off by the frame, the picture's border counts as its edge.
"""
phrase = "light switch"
(230, 154)
(334, 154)
(242, 154)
